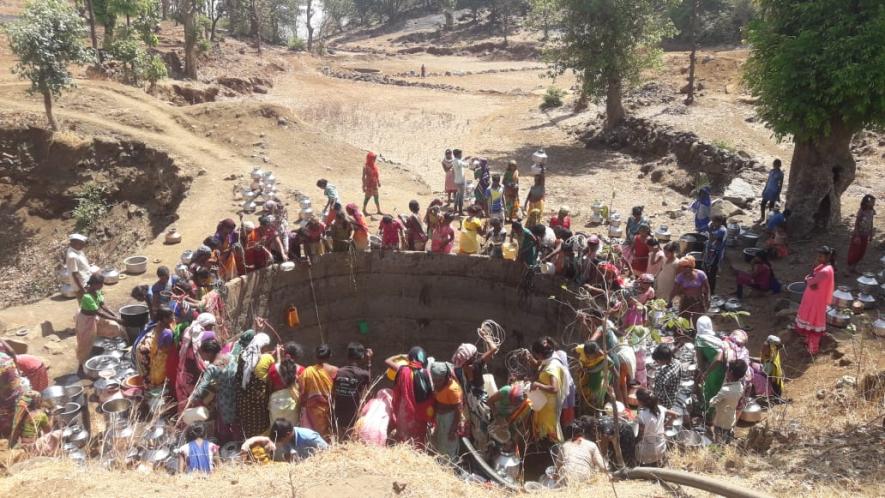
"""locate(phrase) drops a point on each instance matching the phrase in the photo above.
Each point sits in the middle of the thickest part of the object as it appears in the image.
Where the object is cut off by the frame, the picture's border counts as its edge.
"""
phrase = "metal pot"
(136, 265)
(111, 276)
(97, 364)
(135, 315)
(76, 435)
(752, 413)
(842, 297)
(70, 413)
(157, 456)
(748, 238)
(868, 283)
(838, 317)
(692, 241)
(750, 253)
(117, 409)
(75, 394)
(879, 327)
(187, 256)
(717, 301)
(795, 291)
(733, 304)
(698, 257)
(869, 302)
(54, 396)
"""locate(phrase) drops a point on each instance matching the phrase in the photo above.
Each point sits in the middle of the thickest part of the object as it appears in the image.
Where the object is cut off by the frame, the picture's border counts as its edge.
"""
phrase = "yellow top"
(469, 242)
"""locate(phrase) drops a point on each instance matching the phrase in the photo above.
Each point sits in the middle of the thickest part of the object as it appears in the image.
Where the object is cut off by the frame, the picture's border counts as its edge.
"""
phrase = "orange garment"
(451, 394)
(316, 395)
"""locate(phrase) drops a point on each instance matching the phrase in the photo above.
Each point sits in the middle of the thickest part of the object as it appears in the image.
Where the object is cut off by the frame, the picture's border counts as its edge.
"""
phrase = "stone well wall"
(405, 298)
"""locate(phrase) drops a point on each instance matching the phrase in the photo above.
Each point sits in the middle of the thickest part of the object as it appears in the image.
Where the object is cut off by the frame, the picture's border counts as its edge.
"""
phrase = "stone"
(844, 362)
(725, 208)
(18, 346)
(846, 381)
(739, 191)
(54, 348)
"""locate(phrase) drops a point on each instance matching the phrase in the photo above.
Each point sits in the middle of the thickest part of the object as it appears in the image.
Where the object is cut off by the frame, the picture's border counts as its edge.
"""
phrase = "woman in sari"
(317, 382)
(360, 228)
(811, 320)
(283, 376)
(535, 198)
(227, 252)
(374, 422)
(95, 319)
(191, 364)
(771, 369)
(10, 391)
(552, 383)
(863, 232)
(448, 398)
(710, 351)
(371, 181)
(692, 288)
(162, 340)
(448, 168)
(592, 385)
(412, 397)
(252, 388)
(511, 191)
(341, 230)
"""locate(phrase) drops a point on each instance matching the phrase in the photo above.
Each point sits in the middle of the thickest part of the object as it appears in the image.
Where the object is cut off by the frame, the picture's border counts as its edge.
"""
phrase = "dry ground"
(332, 122)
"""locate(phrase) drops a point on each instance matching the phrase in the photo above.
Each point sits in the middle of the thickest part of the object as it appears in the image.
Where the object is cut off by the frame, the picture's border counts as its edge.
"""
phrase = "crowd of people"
(284, 403)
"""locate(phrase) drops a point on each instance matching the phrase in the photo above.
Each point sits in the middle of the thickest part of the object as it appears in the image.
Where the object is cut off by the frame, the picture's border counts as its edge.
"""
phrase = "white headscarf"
(251, 355)
(706, 336)
(463, 354)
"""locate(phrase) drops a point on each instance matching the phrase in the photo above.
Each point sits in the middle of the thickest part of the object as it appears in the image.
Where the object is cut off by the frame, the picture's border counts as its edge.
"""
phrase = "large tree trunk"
(309, 15)
(108, 38)
(450, 19)
(256, 25)
(47, 103)
(190, 40)
(92, 34)
(614, 108)
(692, 57)
(820, 171)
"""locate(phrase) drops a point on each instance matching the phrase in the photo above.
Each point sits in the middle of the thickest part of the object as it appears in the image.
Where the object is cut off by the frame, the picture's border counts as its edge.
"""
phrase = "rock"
(54, 348)
(707, 58)
(282, 121)
(846, 381)
(18, 346)
(201, 172)
(740, 192)
(820, 394)
(844, 362)
(259, 89)
(725, 208)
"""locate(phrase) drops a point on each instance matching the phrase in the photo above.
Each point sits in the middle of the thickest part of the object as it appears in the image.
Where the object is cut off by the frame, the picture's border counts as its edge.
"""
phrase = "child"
(198, 454)
(651, 447)
(579, 458)
(726, 401)
(330, 192)
(391, 233)
(292, 442)
(443, 235)
(496, 199)
(495, 238)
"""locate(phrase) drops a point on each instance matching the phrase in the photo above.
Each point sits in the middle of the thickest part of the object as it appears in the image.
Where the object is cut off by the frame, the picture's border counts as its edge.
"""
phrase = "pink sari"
(811, 320)
(372, 426)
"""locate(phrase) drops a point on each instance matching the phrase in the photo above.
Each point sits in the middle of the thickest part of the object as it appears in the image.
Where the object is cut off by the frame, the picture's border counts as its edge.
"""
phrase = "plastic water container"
(509, 250)
(399, 360)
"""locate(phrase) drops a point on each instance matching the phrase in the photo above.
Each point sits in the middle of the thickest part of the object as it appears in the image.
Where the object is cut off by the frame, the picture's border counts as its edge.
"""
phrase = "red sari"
(639, 261)
(412, 416)
(371, 175)
(811, 320)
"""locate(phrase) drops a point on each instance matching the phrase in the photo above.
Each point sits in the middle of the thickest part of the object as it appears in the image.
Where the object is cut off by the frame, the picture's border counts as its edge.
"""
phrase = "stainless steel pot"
(879, 327)
(838, 317)
(869, 302)
(868, 283)
(75, 394)
(97, 364)
(842, 297)
(795, 291)
(76, 435)
(54, 396)
(733, 304)
(752, 413)
(111, 276)
(748, 238)
(70, 413)
(136, 265)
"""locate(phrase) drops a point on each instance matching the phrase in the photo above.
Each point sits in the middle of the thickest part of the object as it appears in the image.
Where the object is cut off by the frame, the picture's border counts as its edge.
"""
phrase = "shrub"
(297, 44)
(91, 206)
(203, 45)
(553, 98)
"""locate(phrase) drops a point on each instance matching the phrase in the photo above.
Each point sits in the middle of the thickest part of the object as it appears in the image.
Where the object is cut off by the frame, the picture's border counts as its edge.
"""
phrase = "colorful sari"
(371, 176)
(708, 347)
(511, 193)
(360, 228)
(413, 399)
(374, 421)
(10, 390)
(546, 420)
(591, 381)
(316, 400)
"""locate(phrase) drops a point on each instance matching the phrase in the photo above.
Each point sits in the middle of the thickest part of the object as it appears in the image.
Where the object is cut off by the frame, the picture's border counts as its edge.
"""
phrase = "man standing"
(458, 167)
(714, 251)
(350, 386)
(77, 263)
(772, 191)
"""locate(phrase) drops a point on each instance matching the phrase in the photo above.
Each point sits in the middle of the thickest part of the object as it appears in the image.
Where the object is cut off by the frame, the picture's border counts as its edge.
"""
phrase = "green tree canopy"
(608, 43)
(813, 62)
(47, 38)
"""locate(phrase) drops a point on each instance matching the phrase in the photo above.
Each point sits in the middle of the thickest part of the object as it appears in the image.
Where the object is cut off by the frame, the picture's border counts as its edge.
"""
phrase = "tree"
(693, 55)
(608, 43)
(191, 32)
(448, 10)
(817, 69)
(544, 15)
(308, 14)
(47, 38)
